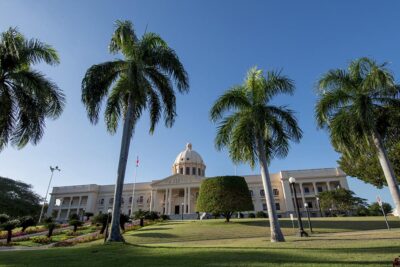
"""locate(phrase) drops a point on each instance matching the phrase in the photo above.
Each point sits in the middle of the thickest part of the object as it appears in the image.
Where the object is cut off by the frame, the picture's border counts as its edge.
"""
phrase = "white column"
(328, 186)
(189, 208)
(151, 200)
(169, 200)
(155, 208)
(79, 205)
(302, 194)
(69, 207)
(315, 188)
(184, 200)
(287, 195)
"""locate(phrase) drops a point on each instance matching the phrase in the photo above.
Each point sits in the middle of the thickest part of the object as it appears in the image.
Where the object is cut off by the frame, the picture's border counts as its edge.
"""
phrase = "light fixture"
(292, 180)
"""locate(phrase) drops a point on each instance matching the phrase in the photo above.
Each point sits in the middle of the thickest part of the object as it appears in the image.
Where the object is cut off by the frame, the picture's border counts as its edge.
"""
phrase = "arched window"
(140, 199)
(130, 200)
(276, 192)
(111, 201)
(262, 193)
(193, 171)
(102, 201)
(198, 172)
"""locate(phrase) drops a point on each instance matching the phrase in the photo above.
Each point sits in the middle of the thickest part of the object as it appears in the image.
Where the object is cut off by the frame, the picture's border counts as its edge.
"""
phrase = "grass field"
(244, 242)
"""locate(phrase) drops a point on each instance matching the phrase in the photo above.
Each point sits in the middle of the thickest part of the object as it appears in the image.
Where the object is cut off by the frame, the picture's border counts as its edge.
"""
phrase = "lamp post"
(330, 212)
(109, 211)
(302, 233)
(319, 207)
(308, 217)
(183, 206)
(52, 169)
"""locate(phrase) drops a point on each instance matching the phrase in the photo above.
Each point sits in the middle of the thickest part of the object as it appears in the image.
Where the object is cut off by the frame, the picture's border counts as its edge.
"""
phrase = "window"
(264, 206)
(111, 201)
(181, 170)
(251, 192)
(277, 206)
(319, 188)
(262, 193)
(122, 200)
(306, 190)
(276, 192)
(140, 199)
(130, 200)
(198, 172)
(102, 201)
(187, 171)
(194, 171)
(181, 193)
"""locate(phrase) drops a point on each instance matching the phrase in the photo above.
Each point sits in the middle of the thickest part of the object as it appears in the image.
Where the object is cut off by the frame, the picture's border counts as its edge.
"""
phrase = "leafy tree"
(375, 210)
(9, 226)
(17, 198)
(50, 225)
(356, 106)
(340, 200)
(224, 195)
(254, 130)
(140, 215)
(364, 164)
(27, 97)
(140, 81)
(124, 219)
(75, 221)
(26, 222)
(4, 218)
(88, 215)
(102, 219)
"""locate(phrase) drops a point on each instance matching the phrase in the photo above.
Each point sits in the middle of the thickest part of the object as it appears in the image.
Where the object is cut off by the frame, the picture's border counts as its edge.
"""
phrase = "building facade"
(177, 194)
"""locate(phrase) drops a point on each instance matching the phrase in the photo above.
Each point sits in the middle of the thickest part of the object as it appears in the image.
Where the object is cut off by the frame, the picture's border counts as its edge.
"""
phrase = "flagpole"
(134, 184)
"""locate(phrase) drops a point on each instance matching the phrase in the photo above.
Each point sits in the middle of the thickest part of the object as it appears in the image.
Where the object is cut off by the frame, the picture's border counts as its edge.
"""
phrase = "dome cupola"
(189, 162)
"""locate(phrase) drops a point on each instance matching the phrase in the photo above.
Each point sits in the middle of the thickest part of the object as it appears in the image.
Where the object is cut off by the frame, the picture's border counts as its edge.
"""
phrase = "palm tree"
(355, 106)
(140, 81)
(27, 97)
(255, 130)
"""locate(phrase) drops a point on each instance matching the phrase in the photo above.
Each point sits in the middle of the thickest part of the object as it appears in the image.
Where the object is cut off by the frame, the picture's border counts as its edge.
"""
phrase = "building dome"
(189, 162)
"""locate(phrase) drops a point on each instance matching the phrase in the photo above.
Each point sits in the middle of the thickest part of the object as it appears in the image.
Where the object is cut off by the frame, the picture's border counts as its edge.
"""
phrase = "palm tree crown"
(251, 116)
(143, 77)
(142, 80)
(254, 130)
(27, 97)
(356, 103)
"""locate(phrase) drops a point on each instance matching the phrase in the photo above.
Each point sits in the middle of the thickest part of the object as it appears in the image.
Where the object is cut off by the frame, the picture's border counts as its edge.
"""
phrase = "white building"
(188, 171)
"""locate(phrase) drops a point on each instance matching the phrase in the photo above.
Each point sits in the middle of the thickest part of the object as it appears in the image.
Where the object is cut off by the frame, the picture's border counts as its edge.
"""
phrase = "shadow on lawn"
(323, 224)
(154, 229)
(153, 235)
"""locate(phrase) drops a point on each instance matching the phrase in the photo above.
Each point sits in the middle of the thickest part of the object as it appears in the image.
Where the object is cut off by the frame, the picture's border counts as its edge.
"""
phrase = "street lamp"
(183, 206)
(302, 233)
(319, 207)
(308, 216)
(52, 169)
(109, 211)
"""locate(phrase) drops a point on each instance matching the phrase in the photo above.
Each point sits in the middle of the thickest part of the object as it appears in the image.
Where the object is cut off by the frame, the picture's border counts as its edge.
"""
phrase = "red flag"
(137, 161)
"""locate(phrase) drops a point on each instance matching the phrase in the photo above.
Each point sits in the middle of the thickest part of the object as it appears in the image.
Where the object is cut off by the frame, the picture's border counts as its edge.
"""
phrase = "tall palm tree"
(355, 106)
(140, 81)
(27, 97)
(254, 130)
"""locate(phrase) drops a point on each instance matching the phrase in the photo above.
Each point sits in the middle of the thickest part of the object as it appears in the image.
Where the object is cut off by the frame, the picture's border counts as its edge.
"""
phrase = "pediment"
(178, 179)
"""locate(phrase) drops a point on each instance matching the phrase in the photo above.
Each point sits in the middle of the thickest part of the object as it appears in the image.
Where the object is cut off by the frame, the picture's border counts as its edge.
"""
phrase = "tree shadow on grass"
(154, 229)
(153, 235)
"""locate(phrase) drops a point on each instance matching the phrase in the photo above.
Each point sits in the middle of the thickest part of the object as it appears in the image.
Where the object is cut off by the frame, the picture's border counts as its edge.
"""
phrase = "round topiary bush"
(261, 214)
(252, 215)
(224, 195)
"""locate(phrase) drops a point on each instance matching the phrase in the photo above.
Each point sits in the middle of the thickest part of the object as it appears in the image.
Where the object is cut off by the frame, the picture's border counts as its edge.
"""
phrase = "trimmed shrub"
(224, 195)
(261, 214)
(252, 215)
(164, 217)
(26, 222)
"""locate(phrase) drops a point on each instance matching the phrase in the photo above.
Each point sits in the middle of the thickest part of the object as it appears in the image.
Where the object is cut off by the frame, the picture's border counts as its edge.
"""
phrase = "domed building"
(189, 162)
(177, 194)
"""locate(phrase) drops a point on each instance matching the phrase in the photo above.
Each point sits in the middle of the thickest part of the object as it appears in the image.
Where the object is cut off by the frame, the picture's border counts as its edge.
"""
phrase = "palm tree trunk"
(115, 233)
(388, 171)
(276, 233)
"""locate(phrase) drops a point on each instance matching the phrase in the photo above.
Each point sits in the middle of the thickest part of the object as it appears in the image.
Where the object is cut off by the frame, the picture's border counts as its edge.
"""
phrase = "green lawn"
(245, 242)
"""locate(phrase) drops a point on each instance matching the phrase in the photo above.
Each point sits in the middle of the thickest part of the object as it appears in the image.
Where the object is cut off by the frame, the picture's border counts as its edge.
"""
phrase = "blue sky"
(217, 41)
